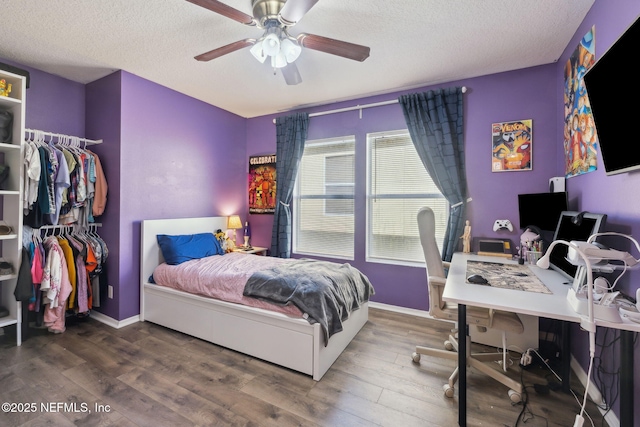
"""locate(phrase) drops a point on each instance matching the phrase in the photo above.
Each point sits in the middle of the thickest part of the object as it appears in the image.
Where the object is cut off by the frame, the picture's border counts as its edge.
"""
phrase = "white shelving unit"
(10, 195)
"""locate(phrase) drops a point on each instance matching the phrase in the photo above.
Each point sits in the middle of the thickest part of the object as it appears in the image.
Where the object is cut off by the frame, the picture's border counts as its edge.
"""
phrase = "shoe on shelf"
(5, 229)
(5, 268)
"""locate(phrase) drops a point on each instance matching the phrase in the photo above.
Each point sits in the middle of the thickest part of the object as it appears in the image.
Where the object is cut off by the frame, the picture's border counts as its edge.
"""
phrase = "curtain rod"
(61, 135)
(360, 107)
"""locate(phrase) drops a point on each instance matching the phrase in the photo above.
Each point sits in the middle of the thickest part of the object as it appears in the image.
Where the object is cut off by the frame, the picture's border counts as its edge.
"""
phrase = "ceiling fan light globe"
(258, 53)
(290, 49)
(278, 61)
(271, 44)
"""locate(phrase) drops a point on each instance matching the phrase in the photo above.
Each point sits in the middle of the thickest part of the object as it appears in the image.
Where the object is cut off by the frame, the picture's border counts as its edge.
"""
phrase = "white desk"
(552, 306)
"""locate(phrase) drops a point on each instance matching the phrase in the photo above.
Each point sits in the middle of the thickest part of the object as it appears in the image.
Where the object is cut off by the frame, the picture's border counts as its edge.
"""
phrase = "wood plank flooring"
(147, 375)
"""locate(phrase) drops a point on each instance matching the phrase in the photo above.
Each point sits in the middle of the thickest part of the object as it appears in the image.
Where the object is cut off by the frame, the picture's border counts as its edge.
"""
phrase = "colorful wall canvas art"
(580, 138)
(262, 184)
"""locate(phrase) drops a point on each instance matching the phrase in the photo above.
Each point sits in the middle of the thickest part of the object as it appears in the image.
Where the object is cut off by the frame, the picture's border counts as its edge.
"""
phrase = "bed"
(276, 337)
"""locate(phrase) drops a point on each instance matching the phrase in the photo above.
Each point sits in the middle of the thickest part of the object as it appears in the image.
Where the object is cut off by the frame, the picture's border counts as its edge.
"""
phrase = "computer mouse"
(476, 278)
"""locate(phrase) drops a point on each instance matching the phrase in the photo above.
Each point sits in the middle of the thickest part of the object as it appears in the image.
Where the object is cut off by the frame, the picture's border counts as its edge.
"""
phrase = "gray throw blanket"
(326, 291)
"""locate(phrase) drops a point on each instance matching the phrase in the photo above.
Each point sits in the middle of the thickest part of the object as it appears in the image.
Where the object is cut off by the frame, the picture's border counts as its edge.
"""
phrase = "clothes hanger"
(74, 145)
(79, 233)
(36, 138)
(36, 238)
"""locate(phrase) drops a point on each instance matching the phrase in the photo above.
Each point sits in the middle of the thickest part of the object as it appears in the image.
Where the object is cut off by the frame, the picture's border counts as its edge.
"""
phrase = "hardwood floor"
(146, 375)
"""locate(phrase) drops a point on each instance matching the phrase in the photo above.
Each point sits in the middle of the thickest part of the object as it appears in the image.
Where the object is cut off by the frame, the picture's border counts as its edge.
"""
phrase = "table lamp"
(247, 234)
(233, 223)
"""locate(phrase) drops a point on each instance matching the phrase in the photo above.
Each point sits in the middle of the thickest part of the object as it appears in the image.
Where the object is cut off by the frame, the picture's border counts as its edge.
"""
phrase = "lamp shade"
(291, 49)
(234, 222)
(278, 61)
(271, 44)
(257, 51)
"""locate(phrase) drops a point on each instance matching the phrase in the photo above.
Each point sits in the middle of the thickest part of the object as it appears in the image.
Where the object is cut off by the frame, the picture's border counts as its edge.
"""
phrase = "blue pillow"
(178, 249)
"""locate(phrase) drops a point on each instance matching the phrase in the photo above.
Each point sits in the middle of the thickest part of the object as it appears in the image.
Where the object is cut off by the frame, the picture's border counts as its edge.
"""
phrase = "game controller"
(502, 224)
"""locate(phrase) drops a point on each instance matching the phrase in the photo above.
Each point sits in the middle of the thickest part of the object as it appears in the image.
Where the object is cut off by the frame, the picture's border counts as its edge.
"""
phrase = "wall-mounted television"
(541, 210)
(612, 96)
(573, 226)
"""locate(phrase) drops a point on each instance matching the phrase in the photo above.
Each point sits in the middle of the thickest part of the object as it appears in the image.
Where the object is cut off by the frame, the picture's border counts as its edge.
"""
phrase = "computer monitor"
(573, 226)
(541, 210)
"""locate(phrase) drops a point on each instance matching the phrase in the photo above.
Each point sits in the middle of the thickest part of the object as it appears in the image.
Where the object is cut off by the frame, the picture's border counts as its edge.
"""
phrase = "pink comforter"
(222, 277)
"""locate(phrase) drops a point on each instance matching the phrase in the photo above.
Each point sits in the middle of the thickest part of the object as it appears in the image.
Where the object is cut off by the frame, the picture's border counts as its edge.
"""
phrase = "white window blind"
(398, 186)
(323, 222)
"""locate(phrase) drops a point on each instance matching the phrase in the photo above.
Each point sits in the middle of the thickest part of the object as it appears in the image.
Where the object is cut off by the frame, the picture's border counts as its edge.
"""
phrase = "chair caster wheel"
(514, 396)
(448, 345)
(415, 357)
(448, 390)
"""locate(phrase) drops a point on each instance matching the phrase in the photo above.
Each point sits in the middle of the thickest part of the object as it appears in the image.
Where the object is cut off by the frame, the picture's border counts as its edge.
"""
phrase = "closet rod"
(61, 135)
(53, 227)
(360, 107)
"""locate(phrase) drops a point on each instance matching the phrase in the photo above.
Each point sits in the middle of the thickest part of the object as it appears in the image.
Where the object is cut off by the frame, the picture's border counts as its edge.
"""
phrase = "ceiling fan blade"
(215, 53)
(334, 47)
(294, 10)
(224, 10)
(291, 74)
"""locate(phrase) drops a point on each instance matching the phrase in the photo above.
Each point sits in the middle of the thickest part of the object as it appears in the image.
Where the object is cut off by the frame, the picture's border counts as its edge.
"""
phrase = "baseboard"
(611, 418)
(110, 321)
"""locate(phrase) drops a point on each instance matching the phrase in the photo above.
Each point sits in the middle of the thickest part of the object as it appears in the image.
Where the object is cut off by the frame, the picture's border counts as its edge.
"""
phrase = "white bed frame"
(274, 337)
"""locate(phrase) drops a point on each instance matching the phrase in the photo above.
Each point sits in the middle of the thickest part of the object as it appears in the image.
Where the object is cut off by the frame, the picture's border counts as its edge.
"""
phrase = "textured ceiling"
(413, 43)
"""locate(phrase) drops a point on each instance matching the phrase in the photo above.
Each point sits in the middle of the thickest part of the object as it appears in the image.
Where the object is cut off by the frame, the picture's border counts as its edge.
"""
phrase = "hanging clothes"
(65, 189)
(61, 181)
(36, 216)
(68, 256)
(66, 272)
(56, 286)
(24, 288)
(64, 183)
(32, 169)
(101, 187)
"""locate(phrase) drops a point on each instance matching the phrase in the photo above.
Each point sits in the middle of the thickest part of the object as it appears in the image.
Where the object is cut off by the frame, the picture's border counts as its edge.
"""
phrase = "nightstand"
(257, 250)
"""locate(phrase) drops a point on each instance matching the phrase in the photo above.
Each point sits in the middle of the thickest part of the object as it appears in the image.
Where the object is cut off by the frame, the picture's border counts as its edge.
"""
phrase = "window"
(398, 186)
(338, 178)
(323, 222)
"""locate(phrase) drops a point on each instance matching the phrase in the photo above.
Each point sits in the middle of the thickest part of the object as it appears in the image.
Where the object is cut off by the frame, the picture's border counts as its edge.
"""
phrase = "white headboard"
(150, 254)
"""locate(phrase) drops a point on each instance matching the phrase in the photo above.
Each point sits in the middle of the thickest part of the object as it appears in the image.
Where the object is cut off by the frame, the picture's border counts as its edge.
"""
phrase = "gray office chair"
(482, 318)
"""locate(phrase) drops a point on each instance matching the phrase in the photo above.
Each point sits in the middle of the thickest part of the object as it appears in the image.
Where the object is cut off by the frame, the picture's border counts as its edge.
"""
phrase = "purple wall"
(166, 155)
(103, 121)
(525, 94)
(53, 104)
(596, 192)
(179, 157)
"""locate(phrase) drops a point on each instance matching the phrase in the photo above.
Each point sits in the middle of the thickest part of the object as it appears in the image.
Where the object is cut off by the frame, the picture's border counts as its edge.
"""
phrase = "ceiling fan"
(275, 17)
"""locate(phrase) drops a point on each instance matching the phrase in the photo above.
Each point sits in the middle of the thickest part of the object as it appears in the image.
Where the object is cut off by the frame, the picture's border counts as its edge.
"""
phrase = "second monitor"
(573, 226)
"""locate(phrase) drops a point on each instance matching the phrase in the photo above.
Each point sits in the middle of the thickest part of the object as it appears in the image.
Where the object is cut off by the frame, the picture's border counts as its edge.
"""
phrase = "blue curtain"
(435, 122)
(291, 133)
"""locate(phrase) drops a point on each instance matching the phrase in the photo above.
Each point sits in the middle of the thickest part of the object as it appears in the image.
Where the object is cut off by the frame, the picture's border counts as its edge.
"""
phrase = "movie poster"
(580, 139)
(262, 184)
(511, 146)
